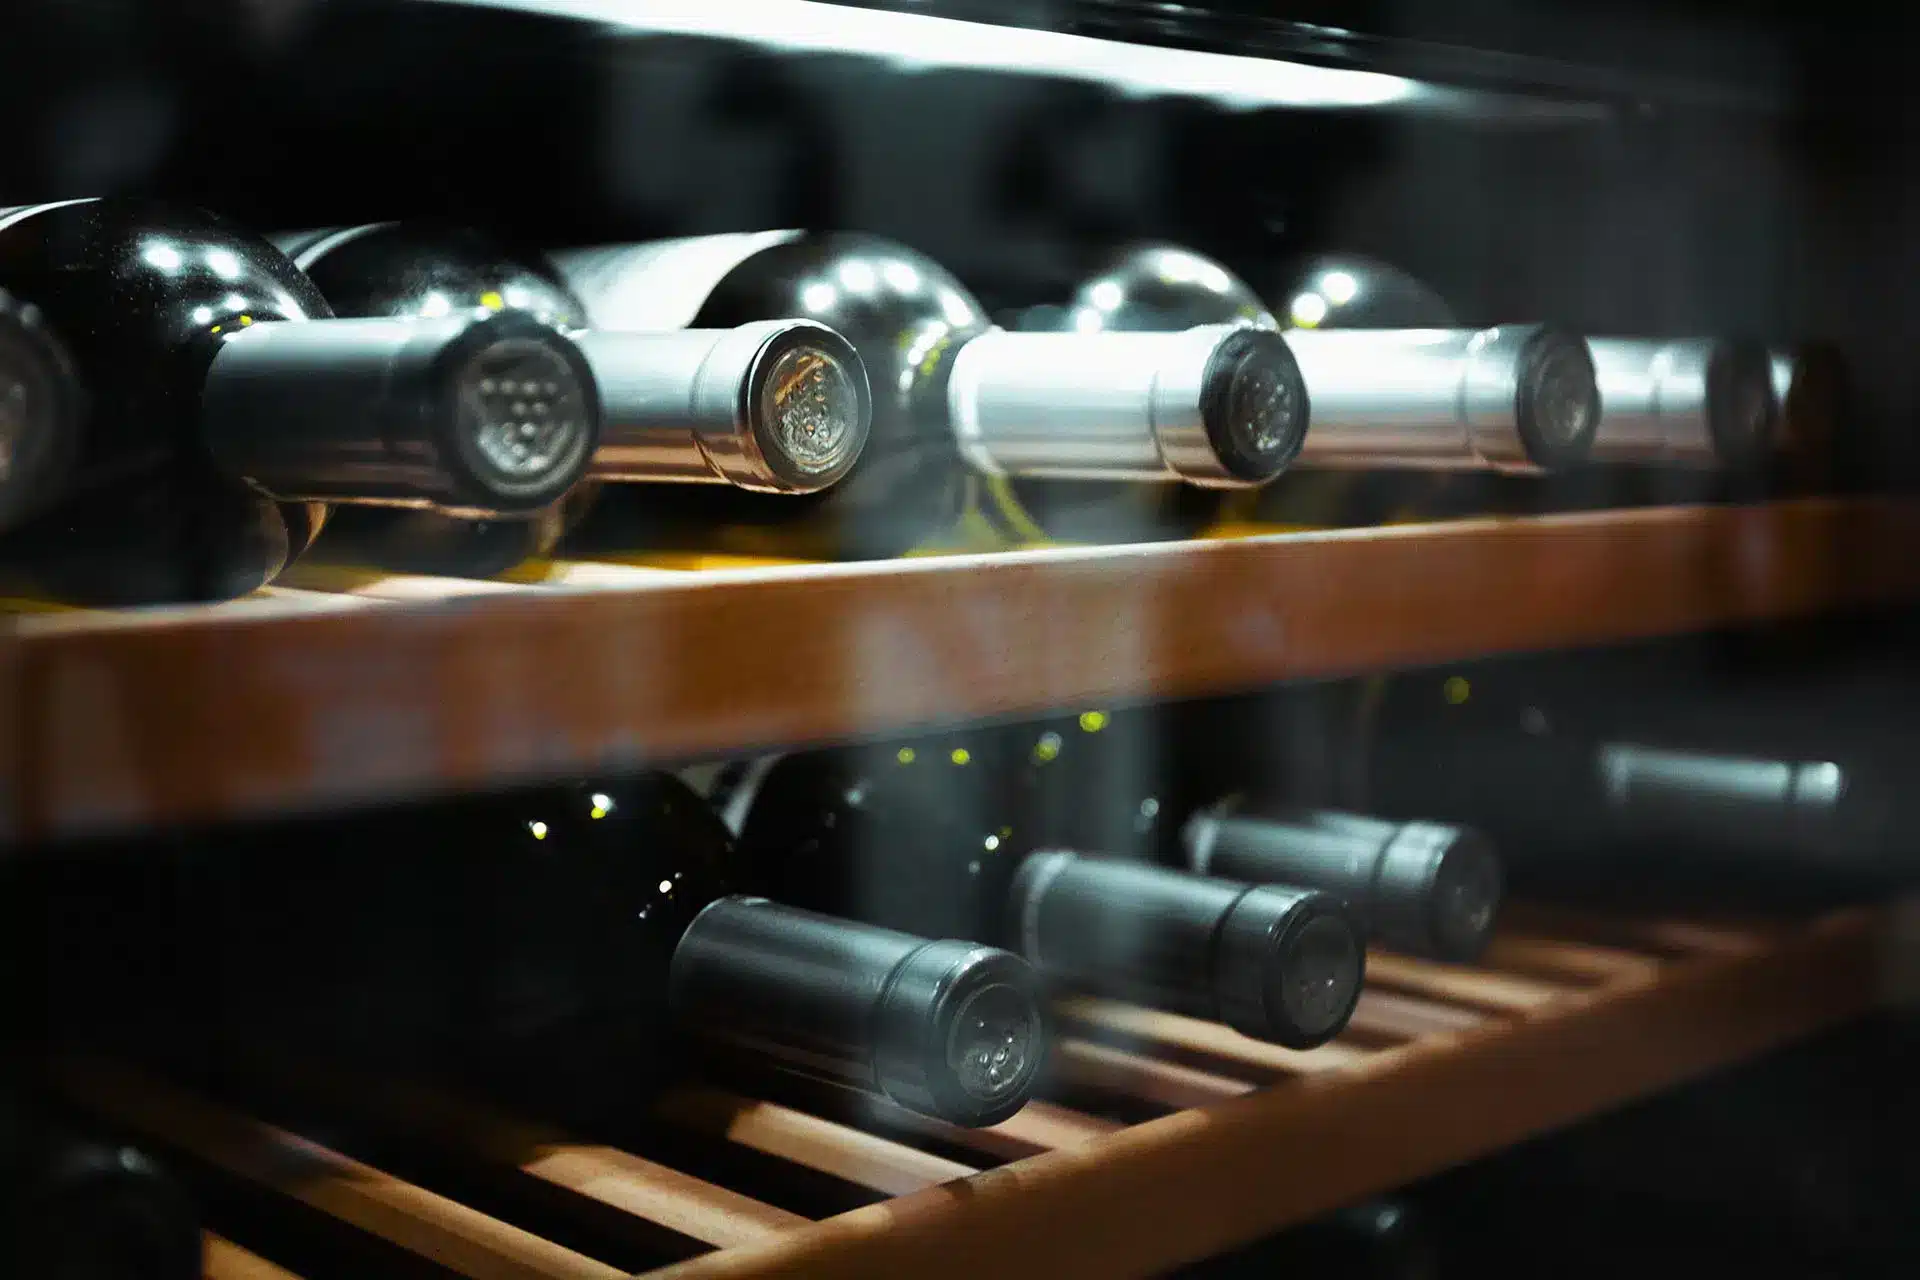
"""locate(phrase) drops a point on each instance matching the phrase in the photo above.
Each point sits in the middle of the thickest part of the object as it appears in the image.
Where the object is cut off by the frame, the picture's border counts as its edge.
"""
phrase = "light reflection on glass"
(819, 296)
(163, 257)
(925, 41)
(1178, 267)
(901, 276)
(1308, 310)
(1087, 320)
(859, 276)
(955, 308)
(436, 304)
(1340, 287)
(1107, 295)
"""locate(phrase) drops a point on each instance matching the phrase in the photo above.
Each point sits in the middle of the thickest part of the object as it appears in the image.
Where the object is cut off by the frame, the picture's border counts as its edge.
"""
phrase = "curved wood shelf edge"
(1218, 1177)
(206, 715)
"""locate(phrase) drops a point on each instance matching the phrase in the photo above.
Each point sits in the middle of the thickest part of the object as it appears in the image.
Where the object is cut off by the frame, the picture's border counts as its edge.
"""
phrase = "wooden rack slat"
(1209, 1040)
(1245, 1143)
(278, 704)
(851, 1155)
(1553, 958)
(225, 1260)
(1395, 1018)
(642, 1188)
(1220, 1175)
(1167, 1084)
(1474, 988)
(462, 1239)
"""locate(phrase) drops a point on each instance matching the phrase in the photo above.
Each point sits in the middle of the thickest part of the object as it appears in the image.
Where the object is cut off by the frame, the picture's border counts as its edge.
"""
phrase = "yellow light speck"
(1047, 748)
(1456, 690)
(246, 320)
(217, 328)
(960, 755)
(492, 301)
(904, 755)
(1092, 721)
(598, 811)
(539, 830)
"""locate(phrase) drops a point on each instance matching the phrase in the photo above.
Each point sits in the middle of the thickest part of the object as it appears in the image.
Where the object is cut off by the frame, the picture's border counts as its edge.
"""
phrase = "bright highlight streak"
(923, 41)
(1309, 309)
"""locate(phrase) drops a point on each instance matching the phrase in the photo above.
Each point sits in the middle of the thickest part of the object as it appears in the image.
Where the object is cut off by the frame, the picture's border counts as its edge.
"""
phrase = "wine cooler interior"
(876, 638)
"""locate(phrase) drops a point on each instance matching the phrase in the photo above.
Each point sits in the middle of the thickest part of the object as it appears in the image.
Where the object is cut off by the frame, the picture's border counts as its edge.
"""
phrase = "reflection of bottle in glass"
(1687, 402)
(1811, 386)
(777, 407)
(924, 836)
(953, 399)
(41, 412)
(1116, 784)
(1614, 776)
(75, 1205)
(569, 945)
(200, 413)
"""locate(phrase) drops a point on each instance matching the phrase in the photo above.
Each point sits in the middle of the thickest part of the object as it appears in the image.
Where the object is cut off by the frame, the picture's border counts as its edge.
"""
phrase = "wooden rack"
(1567, 1014)
(302, 699)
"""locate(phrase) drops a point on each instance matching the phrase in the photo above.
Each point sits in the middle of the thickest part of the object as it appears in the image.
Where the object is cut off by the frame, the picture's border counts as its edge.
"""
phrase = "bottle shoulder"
(904, 312)
(896, 834)
(426, 269)
(1157, 288)
(152, 261)
(143, 292)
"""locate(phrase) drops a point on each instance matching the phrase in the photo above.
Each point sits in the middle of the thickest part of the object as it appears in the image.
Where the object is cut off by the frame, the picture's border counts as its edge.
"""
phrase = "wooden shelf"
(1566, 1016)
(303, 699)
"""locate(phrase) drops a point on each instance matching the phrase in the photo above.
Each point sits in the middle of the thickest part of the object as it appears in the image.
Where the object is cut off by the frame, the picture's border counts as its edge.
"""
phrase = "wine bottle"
(921, 838)
(1149, 288)
(1812, 387)
(1604, 777)
(42, 408)
(1425, 888)
(545, 943)
(955, 400)
(200, 412)
(1130, 785)
(1416, 397)
(779, 406)
(1691, 402)
(1670, 410)
(76, 1205)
